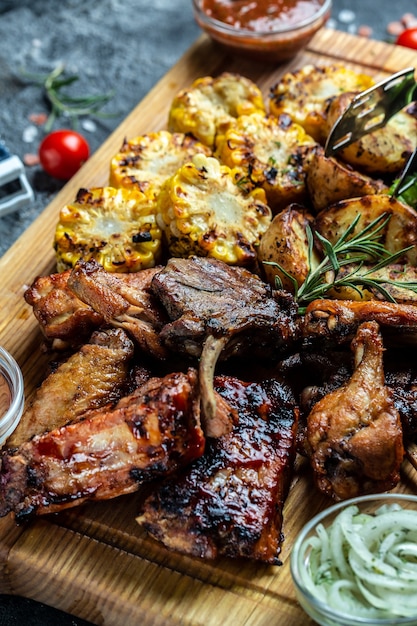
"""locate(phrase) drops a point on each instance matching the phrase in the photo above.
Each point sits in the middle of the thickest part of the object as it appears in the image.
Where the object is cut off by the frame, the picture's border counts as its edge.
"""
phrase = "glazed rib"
(148, 434)
(230, 500)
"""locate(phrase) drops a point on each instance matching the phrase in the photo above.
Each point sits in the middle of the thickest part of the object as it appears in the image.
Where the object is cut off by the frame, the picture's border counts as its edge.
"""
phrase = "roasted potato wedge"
(384, 151)
(306, 93)
(395, 272)
(285, 243)
(328, 180)
(399, 233)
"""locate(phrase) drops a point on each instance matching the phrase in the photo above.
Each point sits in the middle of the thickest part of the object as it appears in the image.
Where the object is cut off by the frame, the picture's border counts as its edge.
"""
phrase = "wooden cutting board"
(94, 561)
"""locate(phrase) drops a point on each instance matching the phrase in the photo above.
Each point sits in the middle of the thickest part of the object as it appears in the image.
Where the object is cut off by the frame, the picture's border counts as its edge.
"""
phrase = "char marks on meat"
(123, 300)
(96, 376)
(354, 433)
(230, 500)
(218, 311)
(336, 321)
(65, 320)
(148, 434)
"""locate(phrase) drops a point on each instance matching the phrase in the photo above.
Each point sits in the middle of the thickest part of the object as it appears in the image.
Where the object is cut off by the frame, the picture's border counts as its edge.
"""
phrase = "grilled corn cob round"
(306, 93)
(116, 227)
(268, 152)
(210, 105)
(204, 212)
(147, 161)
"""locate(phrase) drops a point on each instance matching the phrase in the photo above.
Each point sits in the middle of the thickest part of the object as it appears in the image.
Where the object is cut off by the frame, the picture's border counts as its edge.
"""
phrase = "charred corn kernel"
(203, 212)
(211, 104)
(305, 94)
(268, 152)
(116, 227)
(147, 161)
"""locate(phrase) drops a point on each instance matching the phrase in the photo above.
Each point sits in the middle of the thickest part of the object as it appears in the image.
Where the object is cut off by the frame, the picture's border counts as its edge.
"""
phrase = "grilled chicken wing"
(123, 301)
(63, 318)
(94, 377)
(336, 321)
(149, 433)
(230, 500)
(354, 434)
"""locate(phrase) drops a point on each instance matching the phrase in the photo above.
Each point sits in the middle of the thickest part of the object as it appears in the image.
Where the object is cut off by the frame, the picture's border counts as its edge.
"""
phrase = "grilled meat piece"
(148, 434)
(354, 434)
(64, 319)
(94, 377)
(230, 500)
(123, 300)
(219, 311)
(336, 321)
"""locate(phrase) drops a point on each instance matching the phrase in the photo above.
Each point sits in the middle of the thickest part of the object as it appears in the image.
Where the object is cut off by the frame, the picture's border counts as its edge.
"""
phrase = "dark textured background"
(125, 45)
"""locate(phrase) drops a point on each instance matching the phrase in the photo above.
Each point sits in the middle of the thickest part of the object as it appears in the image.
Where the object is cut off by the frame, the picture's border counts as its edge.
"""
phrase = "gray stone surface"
(120, 45)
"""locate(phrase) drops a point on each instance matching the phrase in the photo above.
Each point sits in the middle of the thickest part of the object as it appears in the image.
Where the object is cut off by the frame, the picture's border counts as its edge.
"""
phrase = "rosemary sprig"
(61, 103)
(353, 250)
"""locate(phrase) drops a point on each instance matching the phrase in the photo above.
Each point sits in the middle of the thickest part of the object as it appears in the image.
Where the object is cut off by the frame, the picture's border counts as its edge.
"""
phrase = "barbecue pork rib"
(149, 434)
(354, 433)
(218, 311)
(96, 376)
(230, 501)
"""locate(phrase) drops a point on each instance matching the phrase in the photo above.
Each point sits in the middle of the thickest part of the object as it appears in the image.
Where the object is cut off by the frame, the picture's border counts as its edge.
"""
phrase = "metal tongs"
(370, 110)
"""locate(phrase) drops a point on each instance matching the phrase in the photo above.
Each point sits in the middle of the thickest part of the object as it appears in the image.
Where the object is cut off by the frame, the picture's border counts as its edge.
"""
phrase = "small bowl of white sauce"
(355, 563)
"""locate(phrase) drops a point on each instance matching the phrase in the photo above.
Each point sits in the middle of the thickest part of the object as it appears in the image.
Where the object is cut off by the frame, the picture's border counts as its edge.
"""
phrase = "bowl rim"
(225, 28)
(333, 509)
(11, 372)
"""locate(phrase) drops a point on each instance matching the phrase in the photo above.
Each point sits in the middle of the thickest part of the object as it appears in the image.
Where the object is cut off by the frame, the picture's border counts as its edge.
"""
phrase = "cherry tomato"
(408, 38)
(62, 153)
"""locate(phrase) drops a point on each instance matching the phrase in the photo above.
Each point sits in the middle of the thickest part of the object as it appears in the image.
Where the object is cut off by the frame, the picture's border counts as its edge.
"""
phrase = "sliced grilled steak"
(230, 500)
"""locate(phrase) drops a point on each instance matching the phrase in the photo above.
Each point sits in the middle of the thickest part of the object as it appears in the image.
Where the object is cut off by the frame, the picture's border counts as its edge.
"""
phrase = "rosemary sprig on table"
(61, 103)
(355, 250)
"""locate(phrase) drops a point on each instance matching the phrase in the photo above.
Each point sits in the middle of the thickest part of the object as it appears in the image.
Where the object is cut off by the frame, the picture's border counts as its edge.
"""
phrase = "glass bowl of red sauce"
(265, 30)
(11, 395)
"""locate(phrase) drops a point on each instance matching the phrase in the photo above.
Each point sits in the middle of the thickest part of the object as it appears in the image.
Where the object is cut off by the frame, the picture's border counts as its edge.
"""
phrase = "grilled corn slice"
(147, 161)
(210, 105)
(306, 93)
(116, 227)
(204, 212)
(269, 152)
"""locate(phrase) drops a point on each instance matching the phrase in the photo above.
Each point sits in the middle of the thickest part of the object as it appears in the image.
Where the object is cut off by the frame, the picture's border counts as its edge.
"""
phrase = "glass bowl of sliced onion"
(355, 563)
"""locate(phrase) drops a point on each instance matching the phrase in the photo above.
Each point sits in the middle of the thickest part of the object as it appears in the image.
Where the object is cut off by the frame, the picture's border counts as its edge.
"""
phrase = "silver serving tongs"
(370, 110)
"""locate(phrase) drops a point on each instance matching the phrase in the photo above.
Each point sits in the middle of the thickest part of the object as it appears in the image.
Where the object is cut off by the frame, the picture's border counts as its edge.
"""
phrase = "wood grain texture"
(94, 561)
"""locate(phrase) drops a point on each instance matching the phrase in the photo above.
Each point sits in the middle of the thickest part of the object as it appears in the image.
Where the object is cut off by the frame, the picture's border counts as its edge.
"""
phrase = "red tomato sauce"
(260, 15)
